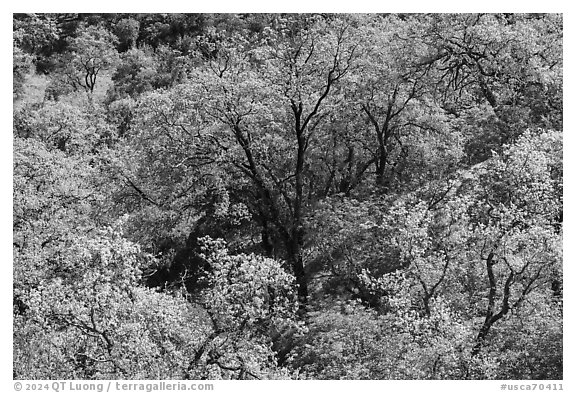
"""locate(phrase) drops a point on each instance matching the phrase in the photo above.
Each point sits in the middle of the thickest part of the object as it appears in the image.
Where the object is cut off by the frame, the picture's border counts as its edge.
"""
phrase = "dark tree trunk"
(267, 242)
(301, 280)
(491, 316)
(294, 248)
(381, 167)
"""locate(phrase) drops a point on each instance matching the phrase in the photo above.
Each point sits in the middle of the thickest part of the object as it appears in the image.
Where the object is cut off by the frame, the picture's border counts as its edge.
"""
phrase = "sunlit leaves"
(382, 196)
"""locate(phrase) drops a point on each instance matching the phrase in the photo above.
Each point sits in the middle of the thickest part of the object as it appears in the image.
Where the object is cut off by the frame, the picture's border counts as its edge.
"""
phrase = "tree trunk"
(267, 242)
(294, 248)
(381, 167)
(491, 317)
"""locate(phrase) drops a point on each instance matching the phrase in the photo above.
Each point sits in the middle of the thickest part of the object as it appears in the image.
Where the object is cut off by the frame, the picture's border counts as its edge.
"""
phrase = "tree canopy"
(274, 196)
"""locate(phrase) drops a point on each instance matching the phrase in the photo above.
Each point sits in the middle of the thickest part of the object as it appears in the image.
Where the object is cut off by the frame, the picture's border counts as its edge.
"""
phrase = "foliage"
(91, 51)
(60, 125)
(127, 32)
(21, 66)
(313, 196)
(349, 341)
(251, 301)
(94, 321)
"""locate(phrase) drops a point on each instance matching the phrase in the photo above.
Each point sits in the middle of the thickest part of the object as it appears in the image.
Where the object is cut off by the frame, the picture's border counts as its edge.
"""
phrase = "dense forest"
(287, 196)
